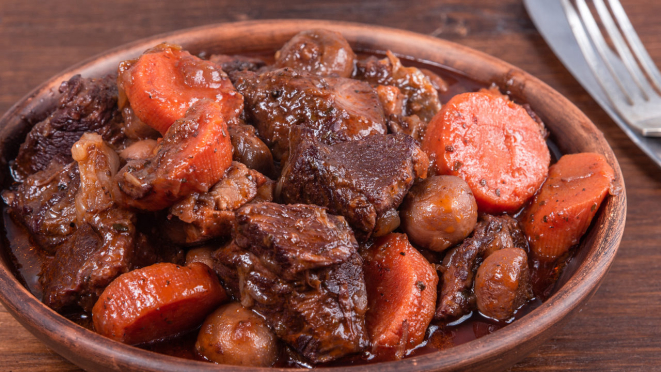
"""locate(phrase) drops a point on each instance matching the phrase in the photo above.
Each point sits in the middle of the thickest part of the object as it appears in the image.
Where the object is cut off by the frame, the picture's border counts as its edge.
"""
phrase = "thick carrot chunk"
(166, 81)
(493, 144)
(156, 302)
(401, 294)
(192, 156)
(563, 209)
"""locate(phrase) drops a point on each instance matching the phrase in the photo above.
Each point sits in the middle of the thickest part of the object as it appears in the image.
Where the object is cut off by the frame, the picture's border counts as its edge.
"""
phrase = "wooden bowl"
(570, 129)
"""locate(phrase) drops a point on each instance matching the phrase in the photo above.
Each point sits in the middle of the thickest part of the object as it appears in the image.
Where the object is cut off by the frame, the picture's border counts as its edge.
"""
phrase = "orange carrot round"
(166, 81)
(401, 294)
(493, 144)
(156, 302)
(564, 207)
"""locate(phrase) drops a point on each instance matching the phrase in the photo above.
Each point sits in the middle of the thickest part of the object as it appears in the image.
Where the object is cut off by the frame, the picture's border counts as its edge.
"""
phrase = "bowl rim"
(62, 334)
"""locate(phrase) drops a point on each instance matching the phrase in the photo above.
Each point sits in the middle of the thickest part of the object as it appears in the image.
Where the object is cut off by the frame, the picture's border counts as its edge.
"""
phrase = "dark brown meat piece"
(332, 315)
(236, 63)
(44, 203)
(203, 216)
(362, 180)
(460, 263)
(295, 238)
(321, 52)
(60, 279)
(89, 261)
(421, 96)
(103, 246)
(337, 109)
(411, 125)
(227, 260)
(394, 107)
(97, 253)
(298, 267)
(86, 105)
(250, 150)
(502, 283)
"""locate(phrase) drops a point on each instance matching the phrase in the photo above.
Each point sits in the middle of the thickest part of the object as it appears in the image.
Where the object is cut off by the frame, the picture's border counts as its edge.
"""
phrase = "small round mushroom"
(200, 254)
(235, 335)
(439, 212)
(250, 150)
(321, 52)
(502, 284)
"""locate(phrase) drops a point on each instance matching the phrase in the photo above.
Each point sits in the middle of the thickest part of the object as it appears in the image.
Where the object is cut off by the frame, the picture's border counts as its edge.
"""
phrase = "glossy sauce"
(26, 256)
(28, 259)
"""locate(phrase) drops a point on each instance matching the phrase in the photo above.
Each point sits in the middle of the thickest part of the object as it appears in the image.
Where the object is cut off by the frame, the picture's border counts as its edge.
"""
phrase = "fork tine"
(599, 70)
(622, 49)
(600, 43)
(635, 43)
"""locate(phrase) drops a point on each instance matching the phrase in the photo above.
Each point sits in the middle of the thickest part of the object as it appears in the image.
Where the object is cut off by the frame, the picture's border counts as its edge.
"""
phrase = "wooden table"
(620, 329)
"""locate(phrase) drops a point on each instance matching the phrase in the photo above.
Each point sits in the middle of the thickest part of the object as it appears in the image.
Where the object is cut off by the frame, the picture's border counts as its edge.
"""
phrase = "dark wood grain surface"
(620, 329)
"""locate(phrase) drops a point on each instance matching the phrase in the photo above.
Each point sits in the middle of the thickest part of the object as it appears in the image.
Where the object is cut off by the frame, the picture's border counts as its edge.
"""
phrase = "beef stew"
(297, 349)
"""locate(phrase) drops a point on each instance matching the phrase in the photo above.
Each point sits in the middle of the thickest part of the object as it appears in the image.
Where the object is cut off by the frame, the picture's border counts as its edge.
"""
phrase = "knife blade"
(551, 22)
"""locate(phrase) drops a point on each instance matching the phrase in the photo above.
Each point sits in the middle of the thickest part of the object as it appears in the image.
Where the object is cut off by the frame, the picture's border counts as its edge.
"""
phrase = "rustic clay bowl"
(570, 129)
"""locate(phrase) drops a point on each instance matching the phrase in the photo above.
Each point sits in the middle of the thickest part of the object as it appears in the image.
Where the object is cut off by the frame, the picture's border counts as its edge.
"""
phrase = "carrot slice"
(156, 302)
(166, 81)
(193, 156)
(401, 294)
(493, 144)
(563, 209)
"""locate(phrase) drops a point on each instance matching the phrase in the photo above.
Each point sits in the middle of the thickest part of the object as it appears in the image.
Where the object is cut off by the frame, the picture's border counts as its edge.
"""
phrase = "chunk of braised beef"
(460, 264)
(409, 125)
(292, 239)
(298, 267)
(330, 316)
(336, 109)
(227, 260)
(103, 246)
(89, 260)
(203, 216)
(61, 277)
(85, 105)
(230, 63)
(394, 107)
(363, 180)
(421, 95)
(321, 52)
(44, 204)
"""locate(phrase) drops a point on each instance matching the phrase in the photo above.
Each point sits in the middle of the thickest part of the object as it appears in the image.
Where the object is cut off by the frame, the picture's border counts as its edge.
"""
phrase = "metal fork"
(629, 90)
